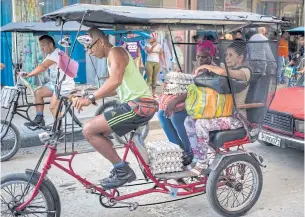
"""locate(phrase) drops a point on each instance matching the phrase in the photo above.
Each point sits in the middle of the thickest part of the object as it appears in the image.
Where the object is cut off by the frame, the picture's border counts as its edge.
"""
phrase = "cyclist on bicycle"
(47, 46)
(126, 80)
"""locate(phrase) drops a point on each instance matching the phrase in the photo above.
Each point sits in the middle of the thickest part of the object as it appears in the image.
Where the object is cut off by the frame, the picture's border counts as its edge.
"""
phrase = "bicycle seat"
(218, 138)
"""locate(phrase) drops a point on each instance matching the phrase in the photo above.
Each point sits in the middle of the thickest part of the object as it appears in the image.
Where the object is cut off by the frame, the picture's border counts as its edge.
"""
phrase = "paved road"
(282, 195)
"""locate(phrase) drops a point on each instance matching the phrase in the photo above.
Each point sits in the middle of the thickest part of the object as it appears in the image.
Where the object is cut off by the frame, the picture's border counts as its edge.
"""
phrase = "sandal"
(199, 168)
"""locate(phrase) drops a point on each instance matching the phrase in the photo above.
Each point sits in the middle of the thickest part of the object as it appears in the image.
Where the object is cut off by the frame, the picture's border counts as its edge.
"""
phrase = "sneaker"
(37, 121)
(118, 177)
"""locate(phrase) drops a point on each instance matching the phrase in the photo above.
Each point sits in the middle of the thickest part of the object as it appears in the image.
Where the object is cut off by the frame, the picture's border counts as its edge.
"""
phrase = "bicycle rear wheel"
(10, 140)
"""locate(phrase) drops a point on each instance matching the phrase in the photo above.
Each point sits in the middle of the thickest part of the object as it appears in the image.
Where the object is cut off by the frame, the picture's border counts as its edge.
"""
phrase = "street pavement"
(282, 194)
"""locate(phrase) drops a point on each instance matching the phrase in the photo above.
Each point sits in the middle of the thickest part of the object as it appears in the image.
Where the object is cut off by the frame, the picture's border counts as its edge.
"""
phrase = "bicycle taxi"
(233, 181)
(15, 100)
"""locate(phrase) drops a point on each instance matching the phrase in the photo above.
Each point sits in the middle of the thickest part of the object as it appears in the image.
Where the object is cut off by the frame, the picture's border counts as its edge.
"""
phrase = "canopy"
(28, 27)
(297, 31)
(119, 17)
(42, 28)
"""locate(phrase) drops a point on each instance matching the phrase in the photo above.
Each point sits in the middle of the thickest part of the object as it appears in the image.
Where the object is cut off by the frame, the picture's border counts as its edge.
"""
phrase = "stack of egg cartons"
(164, 157)
(177, 83)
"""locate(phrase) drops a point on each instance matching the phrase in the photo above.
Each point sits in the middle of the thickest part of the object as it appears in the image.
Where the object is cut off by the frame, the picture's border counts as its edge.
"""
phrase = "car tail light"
(299, 126)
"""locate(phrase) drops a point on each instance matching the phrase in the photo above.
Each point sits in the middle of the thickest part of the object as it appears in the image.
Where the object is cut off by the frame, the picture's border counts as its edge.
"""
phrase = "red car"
(284, 122)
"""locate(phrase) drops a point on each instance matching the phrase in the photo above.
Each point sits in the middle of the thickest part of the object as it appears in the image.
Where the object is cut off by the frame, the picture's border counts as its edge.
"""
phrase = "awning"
(296, 31)
(28, 27)
(119, 17)
(73, 26)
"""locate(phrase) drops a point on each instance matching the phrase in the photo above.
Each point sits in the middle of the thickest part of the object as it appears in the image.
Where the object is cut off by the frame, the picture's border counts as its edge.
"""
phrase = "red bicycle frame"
(161, 185)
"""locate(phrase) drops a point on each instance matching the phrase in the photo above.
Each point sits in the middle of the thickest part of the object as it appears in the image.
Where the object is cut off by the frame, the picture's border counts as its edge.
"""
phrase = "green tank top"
(133, 84)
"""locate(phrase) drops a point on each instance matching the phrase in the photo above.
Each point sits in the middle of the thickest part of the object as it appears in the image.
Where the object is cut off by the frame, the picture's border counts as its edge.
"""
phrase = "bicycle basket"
(7, 96)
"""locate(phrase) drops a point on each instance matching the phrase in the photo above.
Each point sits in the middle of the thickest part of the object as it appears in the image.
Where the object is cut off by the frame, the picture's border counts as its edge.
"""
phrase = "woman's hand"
(203, 68)
(170, 108)
(80, 102)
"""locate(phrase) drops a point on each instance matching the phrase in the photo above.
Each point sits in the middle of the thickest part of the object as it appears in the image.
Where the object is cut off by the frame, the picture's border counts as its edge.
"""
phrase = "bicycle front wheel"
(14, 186)
(10, 140)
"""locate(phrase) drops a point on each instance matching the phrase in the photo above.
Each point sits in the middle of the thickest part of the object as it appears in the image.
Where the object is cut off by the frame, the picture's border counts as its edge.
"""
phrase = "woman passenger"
(170, 119)
(198, 129)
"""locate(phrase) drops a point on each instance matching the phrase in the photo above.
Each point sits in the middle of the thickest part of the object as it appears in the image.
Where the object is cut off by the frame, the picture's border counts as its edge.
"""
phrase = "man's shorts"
(51, 87)
(123, 119)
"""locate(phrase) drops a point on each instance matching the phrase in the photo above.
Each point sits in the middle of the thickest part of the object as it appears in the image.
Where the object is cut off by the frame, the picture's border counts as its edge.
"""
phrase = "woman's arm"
(162, 58)
(239, 74)
(170, 108)
(150, 49)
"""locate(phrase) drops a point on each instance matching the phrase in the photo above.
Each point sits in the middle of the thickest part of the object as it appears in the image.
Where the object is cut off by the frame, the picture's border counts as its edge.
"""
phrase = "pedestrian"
(154, 56)
(2, 66)
(283, 52)
(133, 47)
(238, 35)
(260, 54)
(292, 45)
(179, 53)
(220, 36)
(229, 36)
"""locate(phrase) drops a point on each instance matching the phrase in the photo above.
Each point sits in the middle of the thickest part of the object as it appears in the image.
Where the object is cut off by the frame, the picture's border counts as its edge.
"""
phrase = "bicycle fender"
(51, 187)
(220, 157)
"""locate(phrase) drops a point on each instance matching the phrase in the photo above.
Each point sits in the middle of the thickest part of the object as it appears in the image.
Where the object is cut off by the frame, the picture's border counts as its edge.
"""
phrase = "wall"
(6, 44)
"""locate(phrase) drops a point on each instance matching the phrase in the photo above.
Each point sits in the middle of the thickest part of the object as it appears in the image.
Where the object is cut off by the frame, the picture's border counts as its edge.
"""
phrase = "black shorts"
(123, 119)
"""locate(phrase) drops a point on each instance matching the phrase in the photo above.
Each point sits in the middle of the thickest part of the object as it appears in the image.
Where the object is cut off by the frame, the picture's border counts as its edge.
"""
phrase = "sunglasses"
(89, 47)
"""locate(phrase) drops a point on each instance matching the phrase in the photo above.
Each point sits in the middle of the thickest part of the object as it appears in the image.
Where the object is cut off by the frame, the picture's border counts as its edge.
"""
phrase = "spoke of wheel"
(229, 190)
(228, 198)
(222, 191)
(34, 214)
(236, 199)
(243, 194)
(10, 193)
(3, 199)
(247, 186)
(248, 180)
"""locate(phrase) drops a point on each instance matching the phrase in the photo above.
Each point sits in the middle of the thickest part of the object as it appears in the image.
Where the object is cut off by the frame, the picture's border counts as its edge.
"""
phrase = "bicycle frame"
(161, 186)
(16, 109)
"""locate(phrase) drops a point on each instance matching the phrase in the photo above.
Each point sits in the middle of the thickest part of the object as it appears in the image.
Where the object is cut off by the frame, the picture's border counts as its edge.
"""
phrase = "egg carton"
(163, 147)
(164, 157)
(179, 78)
(175, 90)
(166, 168)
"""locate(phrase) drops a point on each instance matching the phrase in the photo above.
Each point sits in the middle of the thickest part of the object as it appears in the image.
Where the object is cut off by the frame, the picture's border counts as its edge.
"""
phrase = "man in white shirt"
(47, 46)
(260, 54)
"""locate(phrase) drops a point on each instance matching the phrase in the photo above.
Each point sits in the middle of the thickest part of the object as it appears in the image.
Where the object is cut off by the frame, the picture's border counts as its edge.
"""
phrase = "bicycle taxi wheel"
(9, 133)
(14, 192)
(9, 140)
(235, 186)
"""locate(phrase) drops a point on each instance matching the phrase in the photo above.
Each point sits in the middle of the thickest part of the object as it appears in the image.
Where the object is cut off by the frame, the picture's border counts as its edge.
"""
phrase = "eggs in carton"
(164, 157)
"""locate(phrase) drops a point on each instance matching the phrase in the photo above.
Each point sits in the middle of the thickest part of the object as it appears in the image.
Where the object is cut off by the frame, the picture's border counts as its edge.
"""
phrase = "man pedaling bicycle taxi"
(137, 104)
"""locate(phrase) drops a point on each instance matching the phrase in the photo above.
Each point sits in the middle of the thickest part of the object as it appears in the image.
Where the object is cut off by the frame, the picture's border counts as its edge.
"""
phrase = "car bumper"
(286, 141)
